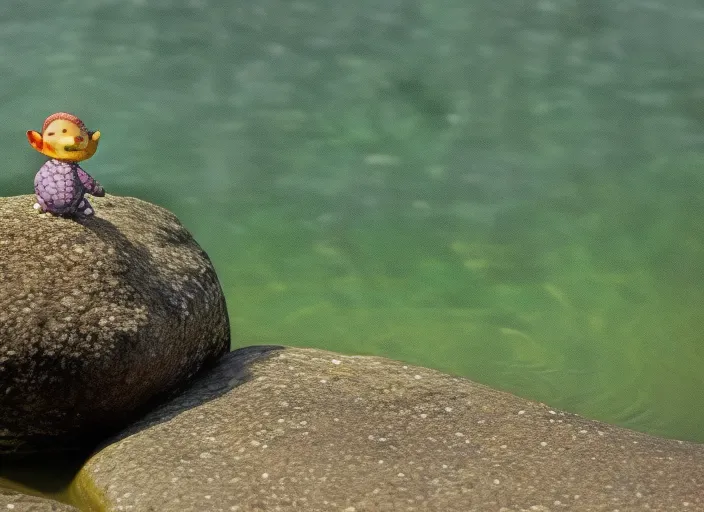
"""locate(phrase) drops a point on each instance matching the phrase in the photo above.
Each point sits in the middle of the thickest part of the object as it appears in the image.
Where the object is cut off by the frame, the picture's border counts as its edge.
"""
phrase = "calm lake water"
(509, 191)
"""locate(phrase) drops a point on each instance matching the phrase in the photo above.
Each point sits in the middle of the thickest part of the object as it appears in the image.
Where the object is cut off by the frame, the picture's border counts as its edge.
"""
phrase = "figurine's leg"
(84, 208)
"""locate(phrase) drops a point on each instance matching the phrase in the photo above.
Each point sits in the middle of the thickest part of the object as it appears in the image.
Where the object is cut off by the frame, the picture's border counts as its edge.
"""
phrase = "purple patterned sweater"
(60, 187)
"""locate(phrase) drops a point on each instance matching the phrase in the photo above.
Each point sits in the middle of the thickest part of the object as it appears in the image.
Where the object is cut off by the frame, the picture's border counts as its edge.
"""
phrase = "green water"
(510, 191)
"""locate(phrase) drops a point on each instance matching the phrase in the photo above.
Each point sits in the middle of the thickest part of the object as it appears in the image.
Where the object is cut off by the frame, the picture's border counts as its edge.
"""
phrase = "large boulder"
(98, 318)
(301, 429)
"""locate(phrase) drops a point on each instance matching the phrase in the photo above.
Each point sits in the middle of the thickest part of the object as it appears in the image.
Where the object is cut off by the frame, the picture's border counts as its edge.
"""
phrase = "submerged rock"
(310, 430)
(98, 318)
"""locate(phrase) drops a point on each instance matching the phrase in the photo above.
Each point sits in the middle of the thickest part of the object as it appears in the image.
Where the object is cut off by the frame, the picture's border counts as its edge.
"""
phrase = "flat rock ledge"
(296, 429)
(12, 501)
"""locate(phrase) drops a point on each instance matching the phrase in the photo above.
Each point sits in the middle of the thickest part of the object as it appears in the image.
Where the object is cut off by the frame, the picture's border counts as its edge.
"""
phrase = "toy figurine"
(60, 184)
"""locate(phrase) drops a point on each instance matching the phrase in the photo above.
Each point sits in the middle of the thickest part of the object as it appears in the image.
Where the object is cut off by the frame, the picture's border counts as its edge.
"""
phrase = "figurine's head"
(64, 137)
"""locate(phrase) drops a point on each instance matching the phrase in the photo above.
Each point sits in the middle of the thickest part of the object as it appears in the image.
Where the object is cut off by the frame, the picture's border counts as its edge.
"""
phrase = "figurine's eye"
(50, 133)
(64, 130)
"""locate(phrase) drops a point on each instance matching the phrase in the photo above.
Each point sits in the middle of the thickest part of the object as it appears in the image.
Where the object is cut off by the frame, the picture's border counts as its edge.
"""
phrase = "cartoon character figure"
(60, 184)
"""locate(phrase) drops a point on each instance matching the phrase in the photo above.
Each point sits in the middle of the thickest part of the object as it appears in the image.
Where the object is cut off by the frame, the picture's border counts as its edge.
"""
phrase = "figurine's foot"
(84, 209)
(39, 208)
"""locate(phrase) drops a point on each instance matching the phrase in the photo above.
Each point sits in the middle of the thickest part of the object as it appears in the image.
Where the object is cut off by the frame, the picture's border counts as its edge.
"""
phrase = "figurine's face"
(65, 138)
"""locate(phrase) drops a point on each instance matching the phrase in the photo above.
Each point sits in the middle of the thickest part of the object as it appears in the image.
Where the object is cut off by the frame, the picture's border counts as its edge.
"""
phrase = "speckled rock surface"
(310, 430)
(12, 501)
(98, 317)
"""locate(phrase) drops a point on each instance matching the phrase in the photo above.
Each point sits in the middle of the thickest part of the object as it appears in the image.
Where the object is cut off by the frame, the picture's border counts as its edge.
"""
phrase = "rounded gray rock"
(301, 429)
(98, 318)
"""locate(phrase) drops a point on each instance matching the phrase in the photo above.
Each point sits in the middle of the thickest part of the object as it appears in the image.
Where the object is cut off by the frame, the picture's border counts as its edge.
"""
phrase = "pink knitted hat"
(66, 117)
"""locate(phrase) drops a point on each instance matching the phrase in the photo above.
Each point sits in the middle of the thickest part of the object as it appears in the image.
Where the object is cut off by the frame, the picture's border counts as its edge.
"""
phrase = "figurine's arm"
(91, 185)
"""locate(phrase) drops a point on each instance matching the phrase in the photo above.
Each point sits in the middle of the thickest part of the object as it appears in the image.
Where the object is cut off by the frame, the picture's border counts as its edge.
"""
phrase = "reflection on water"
(509, 192)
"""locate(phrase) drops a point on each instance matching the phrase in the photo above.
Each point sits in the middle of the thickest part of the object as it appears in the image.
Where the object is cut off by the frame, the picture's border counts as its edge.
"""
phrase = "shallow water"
(509, 193)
